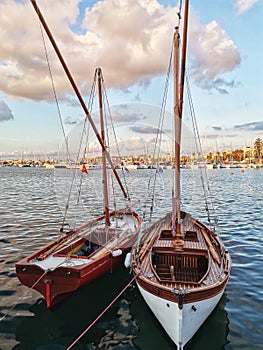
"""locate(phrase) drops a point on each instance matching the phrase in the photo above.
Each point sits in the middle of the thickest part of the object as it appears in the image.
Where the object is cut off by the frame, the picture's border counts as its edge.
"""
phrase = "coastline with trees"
(249, 156)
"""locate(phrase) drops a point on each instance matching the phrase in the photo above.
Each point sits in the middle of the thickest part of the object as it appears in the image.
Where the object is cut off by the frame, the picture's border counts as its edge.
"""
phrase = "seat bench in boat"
(184, 266)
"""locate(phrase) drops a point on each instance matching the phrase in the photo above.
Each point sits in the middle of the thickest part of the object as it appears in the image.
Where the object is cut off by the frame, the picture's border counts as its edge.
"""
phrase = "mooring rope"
(22, 297)
(101, 314)
(30, 288)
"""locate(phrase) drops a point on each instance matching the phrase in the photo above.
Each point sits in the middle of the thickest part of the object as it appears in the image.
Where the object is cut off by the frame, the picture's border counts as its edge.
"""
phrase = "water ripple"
(30, 217)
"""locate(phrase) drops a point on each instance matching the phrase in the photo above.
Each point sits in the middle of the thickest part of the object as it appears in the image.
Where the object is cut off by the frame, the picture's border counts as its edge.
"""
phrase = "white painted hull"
(180, 325)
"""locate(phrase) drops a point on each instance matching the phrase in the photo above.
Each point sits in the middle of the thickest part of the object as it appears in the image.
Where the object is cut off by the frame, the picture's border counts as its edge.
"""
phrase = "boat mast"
(104, 167)
(77, 92)
(177, 120)
(178, 109)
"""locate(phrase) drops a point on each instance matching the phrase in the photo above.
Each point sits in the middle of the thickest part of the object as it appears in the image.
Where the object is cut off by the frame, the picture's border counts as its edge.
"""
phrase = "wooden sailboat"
(182, 266)
(91, 250)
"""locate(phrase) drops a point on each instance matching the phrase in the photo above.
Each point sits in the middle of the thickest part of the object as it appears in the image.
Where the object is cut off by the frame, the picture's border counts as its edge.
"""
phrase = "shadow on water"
(28, 223)
(59, 327)
(128, 324)
(211, 336)
(214, 332)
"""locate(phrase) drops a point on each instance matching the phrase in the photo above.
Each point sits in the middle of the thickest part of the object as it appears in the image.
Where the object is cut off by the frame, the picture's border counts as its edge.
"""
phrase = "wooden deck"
(193, 266)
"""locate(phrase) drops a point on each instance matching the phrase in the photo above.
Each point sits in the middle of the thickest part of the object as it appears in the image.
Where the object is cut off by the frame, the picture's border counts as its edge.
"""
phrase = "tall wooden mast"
(104, 165)
(178, 109)
(77, 92)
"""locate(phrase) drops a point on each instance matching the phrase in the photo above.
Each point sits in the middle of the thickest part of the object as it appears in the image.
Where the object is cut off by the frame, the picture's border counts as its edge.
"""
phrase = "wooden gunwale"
(192, 294)
(73, 235)
(208, 286)
(49, 248)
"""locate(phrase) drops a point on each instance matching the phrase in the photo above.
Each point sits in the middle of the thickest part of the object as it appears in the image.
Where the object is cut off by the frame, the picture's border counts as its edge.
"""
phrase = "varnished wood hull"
(57, 274)
(56, 285)
(182, 282)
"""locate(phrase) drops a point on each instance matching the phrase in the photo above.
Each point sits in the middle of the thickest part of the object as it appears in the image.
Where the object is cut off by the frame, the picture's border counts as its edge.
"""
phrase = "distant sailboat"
(181, 267)
(91, 250)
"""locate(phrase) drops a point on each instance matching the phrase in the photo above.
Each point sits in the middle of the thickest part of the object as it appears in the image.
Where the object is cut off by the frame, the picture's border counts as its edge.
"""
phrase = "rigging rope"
(90, 104)
(31, 288)
(158, 139)
(104, 98)
(101, 314)
(60, 118)
(160, 129)
(84, 155)
(22, 297)
(204, 176)
(84, 143)
(115, 138)
(54, 89)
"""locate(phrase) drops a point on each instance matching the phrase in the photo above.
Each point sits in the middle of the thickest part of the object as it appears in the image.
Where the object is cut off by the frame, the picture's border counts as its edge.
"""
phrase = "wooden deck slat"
(166, 278)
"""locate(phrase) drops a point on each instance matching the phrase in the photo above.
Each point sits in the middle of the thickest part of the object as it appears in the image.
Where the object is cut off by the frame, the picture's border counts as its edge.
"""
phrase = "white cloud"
(130, 40)
(244, 5)
(213, 54)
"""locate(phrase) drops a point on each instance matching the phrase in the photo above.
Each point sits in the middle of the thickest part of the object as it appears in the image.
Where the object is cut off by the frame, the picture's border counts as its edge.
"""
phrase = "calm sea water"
(30, 218)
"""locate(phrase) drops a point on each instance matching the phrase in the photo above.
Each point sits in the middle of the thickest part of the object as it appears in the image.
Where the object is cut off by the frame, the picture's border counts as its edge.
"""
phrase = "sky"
(131, 41)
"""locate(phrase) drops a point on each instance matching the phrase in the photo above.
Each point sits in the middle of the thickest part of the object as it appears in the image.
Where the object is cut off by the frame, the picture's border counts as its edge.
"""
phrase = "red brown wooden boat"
(91, 250)
(181, 267)
(80, 256)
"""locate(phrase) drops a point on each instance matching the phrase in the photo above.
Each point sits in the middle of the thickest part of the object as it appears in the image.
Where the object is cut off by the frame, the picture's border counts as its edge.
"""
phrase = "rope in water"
(101, 314)
(10, 308)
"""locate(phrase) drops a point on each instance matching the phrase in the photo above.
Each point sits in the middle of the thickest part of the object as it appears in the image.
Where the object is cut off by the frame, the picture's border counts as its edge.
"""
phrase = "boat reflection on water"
(62, 324)
(214, 331)
(128, 324)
